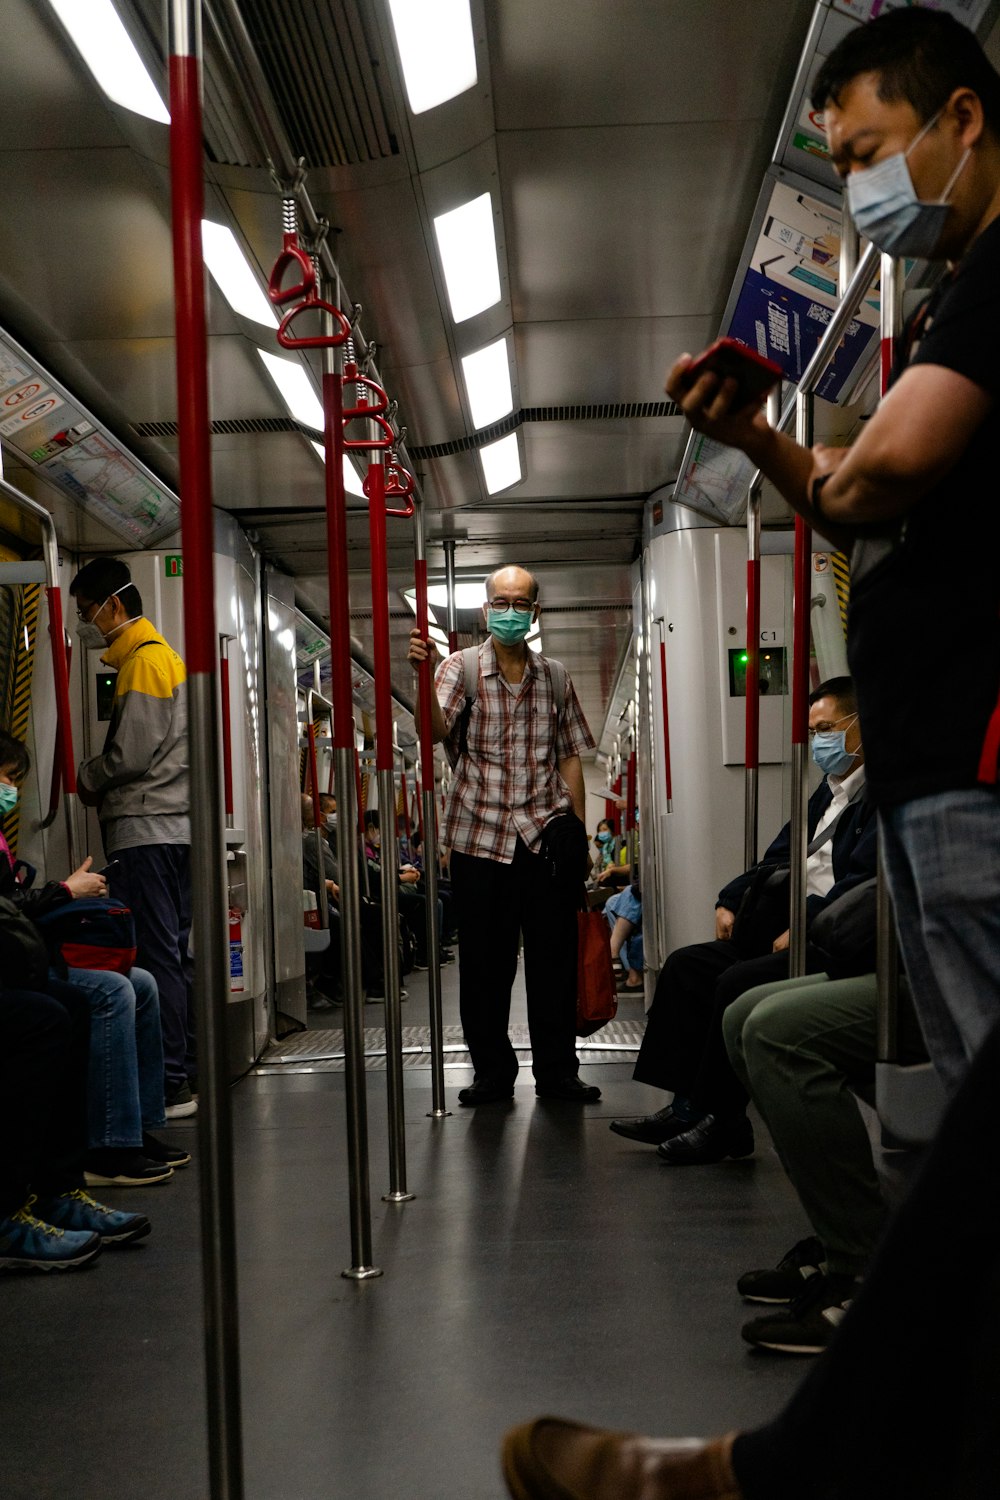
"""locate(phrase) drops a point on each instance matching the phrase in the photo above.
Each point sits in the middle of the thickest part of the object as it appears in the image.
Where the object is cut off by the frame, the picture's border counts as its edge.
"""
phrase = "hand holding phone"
(731, 360)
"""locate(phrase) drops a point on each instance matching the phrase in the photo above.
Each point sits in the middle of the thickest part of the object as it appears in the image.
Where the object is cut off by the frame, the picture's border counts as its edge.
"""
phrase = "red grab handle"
(399, 483)
(371, 413)
(291, 255)
(289, 340)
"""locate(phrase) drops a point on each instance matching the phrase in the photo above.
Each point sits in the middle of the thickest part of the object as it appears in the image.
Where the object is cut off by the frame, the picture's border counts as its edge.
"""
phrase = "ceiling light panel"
(234, 274)
(99, 36)
(501, 464)
(296, 389)
(352, 484)
(487, 382)
(467, 245)
(436, 50)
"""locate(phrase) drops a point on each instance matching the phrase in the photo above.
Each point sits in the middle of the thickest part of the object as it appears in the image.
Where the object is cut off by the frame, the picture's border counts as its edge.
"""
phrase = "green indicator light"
(744, 657)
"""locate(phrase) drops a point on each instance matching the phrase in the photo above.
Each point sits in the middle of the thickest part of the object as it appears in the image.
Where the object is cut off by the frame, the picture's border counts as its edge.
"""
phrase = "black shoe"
(169, 1156)
(179, 1102)
(573, 1090)
(652, 1129)
(485, 1091)
(125, 1168)
(710, 1140)
(787, 1279)
(447, 957)
(808, 1325)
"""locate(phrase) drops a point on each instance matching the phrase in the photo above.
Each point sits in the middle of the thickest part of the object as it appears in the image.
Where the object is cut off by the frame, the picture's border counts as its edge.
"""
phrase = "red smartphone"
(731, 360)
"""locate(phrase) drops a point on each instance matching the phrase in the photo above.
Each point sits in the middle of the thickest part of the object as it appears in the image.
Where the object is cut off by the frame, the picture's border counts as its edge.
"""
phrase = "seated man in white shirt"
(683, 1049)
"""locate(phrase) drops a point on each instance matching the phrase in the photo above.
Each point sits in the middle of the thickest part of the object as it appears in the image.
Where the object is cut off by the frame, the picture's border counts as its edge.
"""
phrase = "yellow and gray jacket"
(141, 776)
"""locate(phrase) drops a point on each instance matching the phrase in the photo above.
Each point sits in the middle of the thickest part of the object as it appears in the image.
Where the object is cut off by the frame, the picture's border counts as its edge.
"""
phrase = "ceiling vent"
(616, 411)
(228, 427)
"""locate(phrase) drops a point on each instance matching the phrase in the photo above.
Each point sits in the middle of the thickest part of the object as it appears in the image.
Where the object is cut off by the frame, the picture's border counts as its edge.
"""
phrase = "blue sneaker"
(29, 1244)
(77, 1212)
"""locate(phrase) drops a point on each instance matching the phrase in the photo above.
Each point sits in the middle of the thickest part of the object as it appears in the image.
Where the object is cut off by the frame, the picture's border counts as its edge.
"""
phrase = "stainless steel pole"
(449, 584)
(438, 1110)
(208, 861)
(801, 599)
(849, 246)
(355, 1084)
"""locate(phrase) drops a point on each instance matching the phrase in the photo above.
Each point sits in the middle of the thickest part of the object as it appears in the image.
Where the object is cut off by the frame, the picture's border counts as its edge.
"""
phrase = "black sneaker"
(78, 1213)
(651, 1129)
(447, 957)
(786, 1280)
(572, 1090)
(125, 1168)
(711, 1140)
(180, 1102)
(486, 1091)
(808, 1325)
(158, 1151)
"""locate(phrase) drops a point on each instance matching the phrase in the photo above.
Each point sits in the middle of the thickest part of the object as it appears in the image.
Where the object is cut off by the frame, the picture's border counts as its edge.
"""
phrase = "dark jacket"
(854, 851)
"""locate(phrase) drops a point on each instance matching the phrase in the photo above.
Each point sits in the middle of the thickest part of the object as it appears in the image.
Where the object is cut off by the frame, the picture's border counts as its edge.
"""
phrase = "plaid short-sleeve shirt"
(508, 785)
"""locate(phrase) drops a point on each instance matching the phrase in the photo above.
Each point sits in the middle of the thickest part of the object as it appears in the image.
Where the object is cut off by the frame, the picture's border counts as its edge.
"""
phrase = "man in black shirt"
(912, 109)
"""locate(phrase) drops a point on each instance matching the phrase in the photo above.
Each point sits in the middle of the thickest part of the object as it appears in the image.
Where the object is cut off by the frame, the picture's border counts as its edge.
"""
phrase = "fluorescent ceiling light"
(231, 269)
(535, 643)
(437, 634)
(352, 484)
(501, 464)
(487, 381)
(469, 594)
(436, 49)
(296, 389)
(106, 47)
(467, 244)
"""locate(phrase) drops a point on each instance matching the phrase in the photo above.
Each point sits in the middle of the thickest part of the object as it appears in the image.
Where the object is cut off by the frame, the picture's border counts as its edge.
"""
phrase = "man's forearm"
(439, 729)
(571, 771)
(789, 467)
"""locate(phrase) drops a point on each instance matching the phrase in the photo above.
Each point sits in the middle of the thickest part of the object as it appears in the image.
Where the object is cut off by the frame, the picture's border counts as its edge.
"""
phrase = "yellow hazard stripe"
(26, 628)
(842, 583)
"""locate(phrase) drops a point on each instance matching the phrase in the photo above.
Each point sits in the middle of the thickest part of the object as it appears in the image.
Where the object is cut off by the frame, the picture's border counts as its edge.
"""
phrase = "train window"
(773, 672)
(105, 694)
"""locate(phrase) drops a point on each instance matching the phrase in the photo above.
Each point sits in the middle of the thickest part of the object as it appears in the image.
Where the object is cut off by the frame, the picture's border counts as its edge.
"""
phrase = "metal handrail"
(312, 698)
(63, 751)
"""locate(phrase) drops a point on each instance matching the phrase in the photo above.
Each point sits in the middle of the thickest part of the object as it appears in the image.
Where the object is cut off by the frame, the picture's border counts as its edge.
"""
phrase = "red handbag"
(596, 992)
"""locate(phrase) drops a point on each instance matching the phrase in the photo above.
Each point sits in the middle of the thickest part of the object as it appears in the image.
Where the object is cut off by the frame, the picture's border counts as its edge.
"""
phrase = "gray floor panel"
(322, 1051)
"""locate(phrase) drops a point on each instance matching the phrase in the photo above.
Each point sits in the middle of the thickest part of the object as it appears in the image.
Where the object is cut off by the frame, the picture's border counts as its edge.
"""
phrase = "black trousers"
(44, 1045)
(683, 1048)
(494, 905)
(904, 1401)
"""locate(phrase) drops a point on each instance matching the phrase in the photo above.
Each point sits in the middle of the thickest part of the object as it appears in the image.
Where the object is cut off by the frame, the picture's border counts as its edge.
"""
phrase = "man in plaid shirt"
(520, 768)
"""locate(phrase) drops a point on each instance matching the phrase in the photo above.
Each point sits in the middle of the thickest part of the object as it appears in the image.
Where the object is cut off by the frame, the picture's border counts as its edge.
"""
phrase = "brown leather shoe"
(555, 1460)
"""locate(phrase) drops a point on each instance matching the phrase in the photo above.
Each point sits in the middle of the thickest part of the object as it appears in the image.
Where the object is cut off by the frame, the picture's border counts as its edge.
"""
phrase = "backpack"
(94, 932)
(457, 743)
(24, 960)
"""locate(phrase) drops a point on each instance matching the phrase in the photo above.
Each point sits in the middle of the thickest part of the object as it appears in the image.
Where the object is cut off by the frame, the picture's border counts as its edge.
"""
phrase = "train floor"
(545, 1264)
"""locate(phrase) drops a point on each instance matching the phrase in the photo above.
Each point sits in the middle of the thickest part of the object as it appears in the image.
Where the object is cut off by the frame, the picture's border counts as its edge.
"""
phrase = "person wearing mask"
(604, 839)
(911, 106)
(139, 785)
(518, 770)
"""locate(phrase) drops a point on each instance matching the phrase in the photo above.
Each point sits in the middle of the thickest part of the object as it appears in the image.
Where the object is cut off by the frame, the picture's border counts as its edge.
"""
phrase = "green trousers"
(803, 1048)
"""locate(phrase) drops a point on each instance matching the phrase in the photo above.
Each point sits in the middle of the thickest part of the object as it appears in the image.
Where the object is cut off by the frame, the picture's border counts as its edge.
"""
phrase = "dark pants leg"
(154, 881)
(715, 1089)
(904, 1401)
(44, 1045)
(680, 1016)
(494, 904)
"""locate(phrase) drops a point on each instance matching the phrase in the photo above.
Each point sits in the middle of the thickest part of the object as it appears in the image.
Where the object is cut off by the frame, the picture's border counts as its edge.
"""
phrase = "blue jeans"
(626, 904)
(125, 1076)
(942, 856)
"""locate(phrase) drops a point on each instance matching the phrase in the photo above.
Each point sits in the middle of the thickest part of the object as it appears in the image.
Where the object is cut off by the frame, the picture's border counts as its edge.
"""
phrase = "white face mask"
(92, 636)
(886, 210)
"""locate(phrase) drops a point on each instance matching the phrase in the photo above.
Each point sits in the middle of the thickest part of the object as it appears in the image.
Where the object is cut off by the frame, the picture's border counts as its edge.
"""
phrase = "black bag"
(763, 911)
(844, 933)
(564, 848)
(24, 958)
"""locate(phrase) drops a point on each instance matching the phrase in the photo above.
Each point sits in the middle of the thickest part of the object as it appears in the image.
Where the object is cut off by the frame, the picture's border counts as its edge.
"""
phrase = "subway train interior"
(479, 278)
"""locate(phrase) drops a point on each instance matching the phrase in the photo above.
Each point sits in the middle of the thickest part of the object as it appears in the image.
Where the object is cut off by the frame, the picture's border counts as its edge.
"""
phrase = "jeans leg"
(114, 1116)
(39, 1047)
(148, 1048)
(154, 881)
(943, 860)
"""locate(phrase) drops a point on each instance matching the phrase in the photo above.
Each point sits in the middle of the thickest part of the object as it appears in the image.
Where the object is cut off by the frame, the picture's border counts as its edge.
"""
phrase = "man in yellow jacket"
(139, 785)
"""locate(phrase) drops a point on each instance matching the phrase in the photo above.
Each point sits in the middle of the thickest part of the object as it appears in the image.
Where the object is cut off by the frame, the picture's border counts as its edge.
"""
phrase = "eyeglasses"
(85, 614)
(519, 606)
(827, 725)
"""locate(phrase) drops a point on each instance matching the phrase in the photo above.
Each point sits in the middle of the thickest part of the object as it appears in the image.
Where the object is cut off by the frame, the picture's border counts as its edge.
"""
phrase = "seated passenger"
(47, 1221)
(604, 839)
(412, 903)
(624, 915)
(125, 1090)
(803, 1048)
(326, 965)
(683, 1049)
(902, 1404)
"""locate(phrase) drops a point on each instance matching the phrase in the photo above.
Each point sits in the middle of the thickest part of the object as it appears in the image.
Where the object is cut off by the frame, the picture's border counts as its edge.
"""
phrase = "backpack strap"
(558, 672)
(470, 667)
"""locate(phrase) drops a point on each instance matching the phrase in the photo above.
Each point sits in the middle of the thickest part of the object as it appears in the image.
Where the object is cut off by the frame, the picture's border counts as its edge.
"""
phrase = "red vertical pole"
(801, 597)
(425, 684)
(60, 675)
(630, 793)
(380, 620)
(209, 895)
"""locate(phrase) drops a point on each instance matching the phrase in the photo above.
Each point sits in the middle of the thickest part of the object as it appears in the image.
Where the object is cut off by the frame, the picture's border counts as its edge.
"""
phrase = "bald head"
(308, 816)
(512, 583)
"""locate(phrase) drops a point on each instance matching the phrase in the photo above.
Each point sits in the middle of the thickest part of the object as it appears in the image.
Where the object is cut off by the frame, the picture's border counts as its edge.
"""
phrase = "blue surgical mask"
(829, 751)
(507, 626)
(886, 210)
(605, 838)
(8, 799)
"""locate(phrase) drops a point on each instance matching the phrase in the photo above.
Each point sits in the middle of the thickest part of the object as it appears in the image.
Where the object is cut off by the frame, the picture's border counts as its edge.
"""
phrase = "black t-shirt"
(924, 619)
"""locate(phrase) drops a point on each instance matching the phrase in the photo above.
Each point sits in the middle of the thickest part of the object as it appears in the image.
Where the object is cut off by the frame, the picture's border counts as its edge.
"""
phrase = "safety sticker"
(35, 411)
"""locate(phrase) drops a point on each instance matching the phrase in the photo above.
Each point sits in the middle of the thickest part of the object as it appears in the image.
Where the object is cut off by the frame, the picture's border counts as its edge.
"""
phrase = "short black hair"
(839, 688)
(503, 568)
(920, 55)
(104, 576)
(371, 817)
(14, 755)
